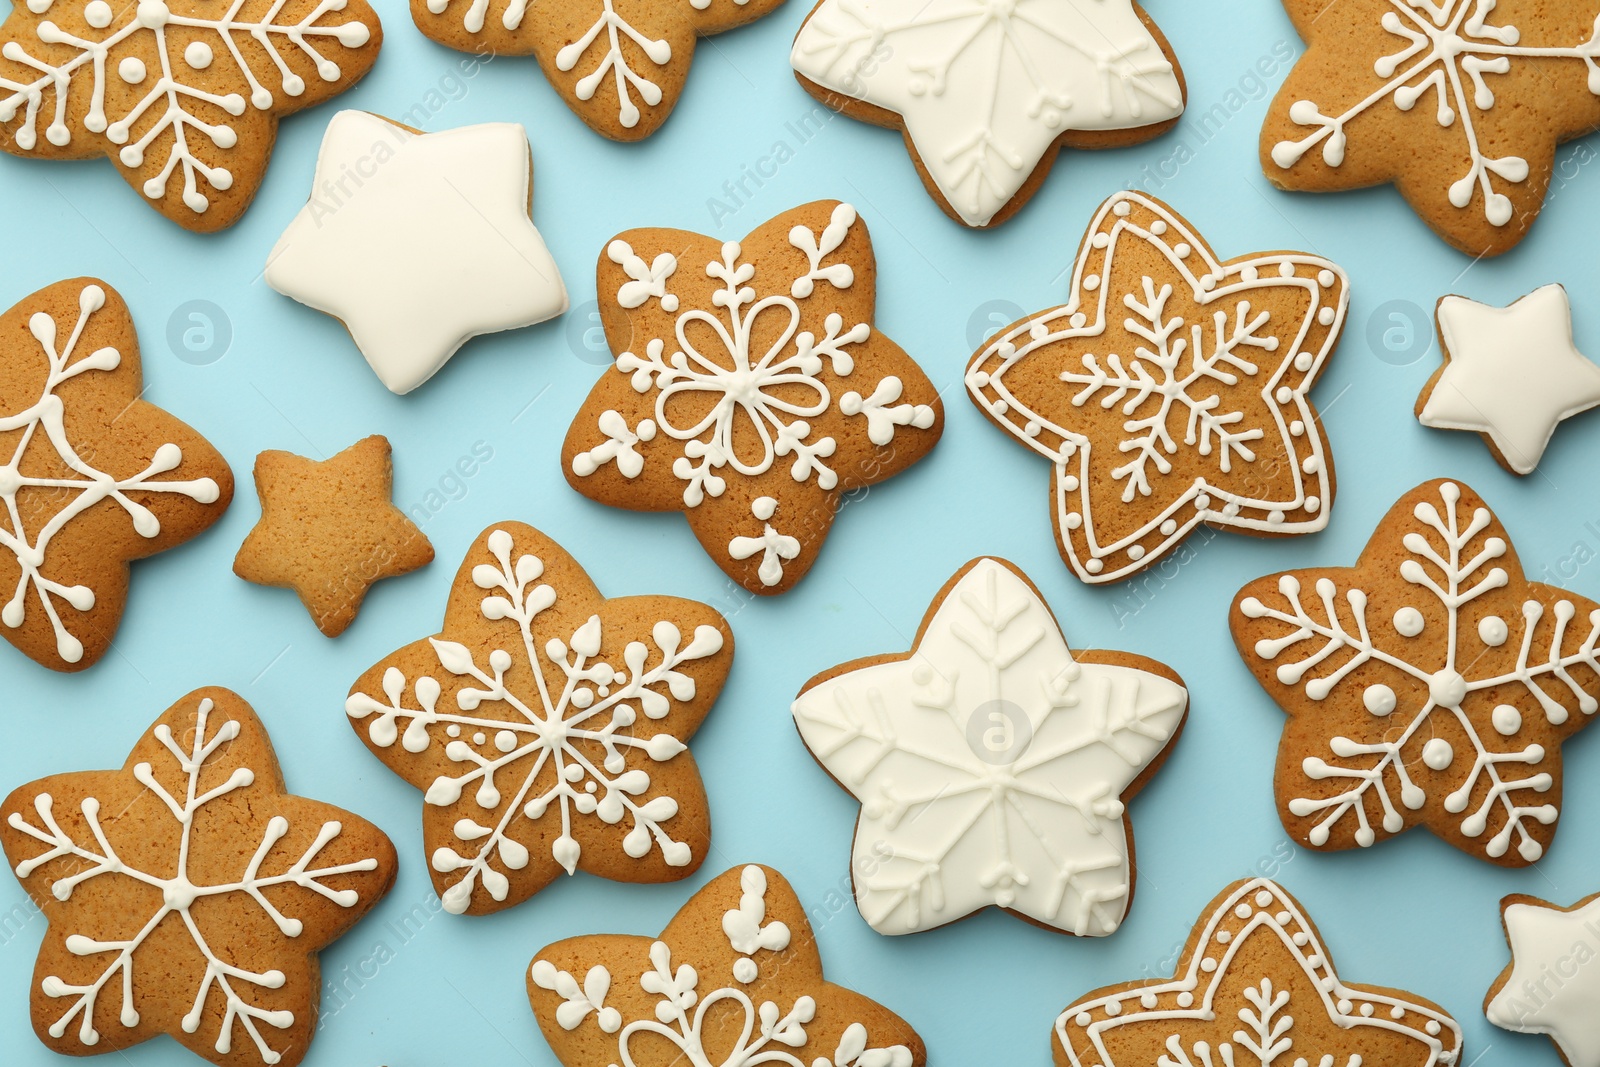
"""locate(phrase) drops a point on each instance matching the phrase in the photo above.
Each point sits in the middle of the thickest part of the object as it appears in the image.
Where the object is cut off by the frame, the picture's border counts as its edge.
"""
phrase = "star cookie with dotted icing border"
(1432, 684)
(548, 727)
(1548, 987)
(734, 980)
(189, 893)
(751, 390)
(1173, 389)
(91, 475)
(183, 96)
(1254, 985)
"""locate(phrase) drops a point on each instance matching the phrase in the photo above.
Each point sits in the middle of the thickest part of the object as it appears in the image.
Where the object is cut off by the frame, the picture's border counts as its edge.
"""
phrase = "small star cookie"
(1551, 986)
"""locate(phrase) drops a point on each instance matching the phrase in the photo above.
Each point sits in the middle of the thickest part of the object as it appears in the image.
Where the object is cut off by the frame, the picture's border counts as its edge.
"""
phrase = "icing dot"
(453, 730)
(1147, 1001)
(1078, 319)
(1185, 999)
(1094, 566)
(1274, 518)
(1101, 240)
(1437, 753)
(1408, 622)
(1366, 1011)
(1208, 282)
(1282, 918)
(1313, 504)
(1303, 361)
(131, 70)
(1379, 699)
(1507, 720)
(1181, 250)
(1313, 961)
(1114, 1008)
(1158, 227)
(1083, 1018)
(1249, 274)
(1312, 465)
(1432, 1027)
(1326, 316)
(1297, 428)
(763, 508)
(1447, 688)
(1344, 1006)
(97, 13)
(745, 970)
(1286, 269)
(1072, 520)
(1301, 938)
(1224, 936)
(1325, 279)
(1492, 630)
(1284, 394)
(1169, 527)
(1136, 552)
(197, 55)
(1070, 483)
(1208, 965)
(1122, 208)
(480, 738)
(1243, 911)
(505, 740)
(1263, 898)
(1202, 502)
(1397, 1012)
(1092, 282)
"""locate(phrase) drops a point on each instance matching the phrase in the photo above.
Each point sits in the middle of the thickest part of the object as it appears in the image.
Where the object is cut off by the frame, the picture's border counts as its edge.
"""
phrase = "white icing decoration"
(596, 707)
(775, 548)
(612, 61)
(179, 894)
(1171, 391)
(1512, 373)
(985, 89)
(87, 486)
(1548, 943)
(883, 414)
(648, 279)
(621, 446)
(990, 765)
(418, 243)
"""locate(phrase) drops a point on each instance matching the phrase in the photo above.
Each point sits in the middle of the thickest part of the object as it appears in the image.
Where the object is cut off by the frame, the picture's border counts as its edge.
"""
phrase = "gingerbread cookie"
(1461, 104)
(620, 65)
(1431, 684)
(751, 390)
(1255, 985)
(329, 530)
(418, 242)
(992, 763)
(735, 980)
(91, 476)
(1172, 390)
(1510, 374)
(189, 893)
(1549, 987)
(184, 96)
(547, 726)
(986, 94)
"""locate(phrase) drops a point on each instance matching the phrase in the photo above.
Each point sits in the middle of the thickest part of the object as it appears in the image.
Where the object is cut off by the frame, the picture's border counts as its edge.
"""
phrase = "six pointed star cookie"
(91, 476)
(329, 529)
(987, 93)
(188, 893)
(1510, 374)
(183, 96)
(734, 980)
(419, 242)
(1172, 390)
(993, 764)
(1254, 985)
(751, 390)
(1431, 684)
(620, 65)
(1549, 942)
(547, 726)
(1460, 103)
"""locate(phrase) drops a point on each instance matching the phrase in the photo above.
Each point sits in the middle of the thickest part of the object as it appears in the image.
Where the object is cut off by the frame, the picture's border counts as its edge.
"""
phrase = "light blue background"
(1413, 913)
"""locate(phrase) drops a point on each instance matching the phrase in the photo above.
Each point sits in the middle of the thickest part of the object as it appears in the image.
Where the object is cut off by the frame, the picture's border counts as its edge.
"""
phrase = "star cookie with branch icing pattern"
(735, 980)
(1460, 104)
(548, 726)
(986, 93)
(992, 763)
(620, 65)
(1429, 685)
(188, 893)
(184, 96)
(91, 475)
(1254, 986)
(751, 390)
(1172, 390)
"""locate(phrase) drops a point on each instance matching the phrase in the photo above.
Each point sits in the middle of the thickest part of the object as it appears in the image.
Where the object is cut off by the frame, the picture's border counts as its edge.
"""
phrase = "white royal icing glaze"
(418, 243)
(1552, 988)
(1443, 49)
(985, 88)
(598, 706)
(990, 765)
(1197, 1001)
(774, 548)
(179, 894)
(1165, 376)
(139, 29)
(1513, 373)
(683, 1006)
(87, 485)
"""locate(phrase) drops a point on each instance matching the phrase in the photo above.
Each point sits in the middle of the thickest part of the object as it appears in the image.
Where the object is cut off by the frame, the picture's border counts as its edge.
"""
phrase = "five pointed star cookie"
(1254, 985)
(548, 726)
(329, 529)
(734, 980)
(91, 476)
(1510, 374)
(184, 96)
(751, 390)
(1549, 942)
(419, 242)
(1172, 390)
(620, 65)
(987, 93)
(1460, 103)
(188, 893)
(1429, 685)
(993, 764)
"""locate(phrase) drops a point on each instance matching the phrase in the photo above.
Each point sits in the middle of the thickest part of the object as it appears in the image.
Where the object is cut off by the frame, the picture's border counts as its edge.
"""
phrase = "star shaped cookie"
(418, 242)
(91, 475)
(1510, 374)
(1550, 987)
(329, 529)
(735, 979)
(992, 763)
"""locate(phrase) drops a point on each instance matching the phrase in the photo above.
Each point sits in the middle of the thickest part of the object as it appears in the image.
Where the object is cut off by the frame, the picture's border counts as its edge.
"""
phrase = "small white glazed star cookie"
(1549, 986)
(1510, 374)
(419, 242)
